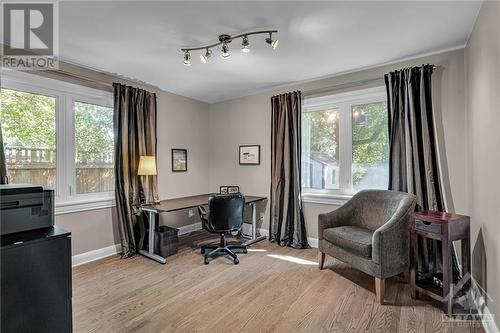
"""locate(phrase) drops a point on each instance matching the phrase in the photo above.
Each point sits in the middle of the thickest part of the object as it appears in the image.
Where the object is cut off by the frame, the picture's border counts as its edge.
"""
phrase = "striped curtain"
(413, 158)
(287, 226)
(134, 124)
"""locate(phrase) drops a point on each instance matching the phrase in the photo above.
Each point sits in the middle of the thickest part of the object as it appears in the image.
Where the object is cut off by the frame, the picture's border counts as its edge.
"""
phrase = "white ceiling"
(142, 40)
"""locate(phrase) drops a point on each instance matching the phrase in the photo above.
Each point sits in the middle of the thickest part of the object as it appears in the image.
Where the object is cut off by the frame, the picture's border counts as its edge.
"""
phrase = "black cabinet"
(36, 281)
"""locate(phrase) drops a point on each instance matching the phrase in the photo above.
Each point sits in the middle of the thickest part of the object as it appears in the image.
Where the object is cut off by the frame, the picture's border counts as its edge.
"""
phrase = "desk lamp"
(147, 167)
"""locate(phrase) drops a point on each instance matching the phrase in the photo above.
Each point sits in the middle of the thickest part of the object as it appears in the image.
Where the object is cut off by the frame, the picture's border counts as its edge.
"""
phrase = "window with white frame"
(59, 135)
(345, 145)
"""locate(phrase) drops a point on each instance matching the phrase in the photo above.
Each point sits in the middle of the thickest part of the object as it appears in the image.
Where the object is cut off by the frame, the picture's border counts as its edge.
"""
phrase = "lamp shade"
(147, 166)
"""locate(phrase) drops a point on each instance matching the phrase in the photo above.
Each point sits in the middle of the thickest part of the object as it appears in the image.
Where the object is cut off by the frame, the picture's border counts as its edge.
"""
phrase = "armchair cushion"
(353, 239)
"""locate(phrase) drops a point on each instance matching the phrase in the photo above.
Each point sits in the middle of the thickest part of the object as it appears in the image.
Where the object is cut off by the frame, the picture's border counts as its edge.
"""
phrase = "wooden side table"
(445, 227)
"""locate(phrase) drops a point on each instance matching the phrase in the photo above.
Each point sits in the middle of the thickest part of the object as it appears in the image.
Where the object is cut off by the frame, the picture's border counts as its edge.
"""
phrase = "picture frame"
(179, 160)
(249, 155)
(229, 189)
(233, 189)
(223, 189)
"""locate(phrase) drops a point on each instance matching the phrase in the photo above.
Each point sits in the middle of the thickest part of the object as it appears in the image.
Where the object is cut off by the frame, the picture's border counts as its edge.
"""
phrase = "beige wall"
(90, 230)
(182, 123)
(483, 119)
(246, 120)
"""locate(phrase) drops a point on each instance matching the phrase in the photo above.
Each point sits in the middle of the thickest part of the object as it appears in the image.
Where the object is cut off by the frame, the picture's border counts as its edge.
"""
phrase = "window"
(29, 134)
(345, 144)
(93, 148)
(59, 135)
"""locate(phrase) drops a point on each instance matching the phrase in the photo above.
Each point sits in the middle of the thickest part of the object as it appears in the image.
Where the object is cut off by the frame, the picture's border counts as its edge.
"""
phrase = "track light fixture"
(204, 57)
(224, 40)
(187, 58)
(245, 45)
(225, 51)
(271, 41)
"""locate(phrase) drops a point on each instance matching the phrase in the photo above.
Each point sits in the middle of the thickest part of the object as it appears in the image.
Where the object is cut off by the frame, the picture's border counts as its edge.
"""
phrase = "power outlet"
(190, 213)
(261, 217)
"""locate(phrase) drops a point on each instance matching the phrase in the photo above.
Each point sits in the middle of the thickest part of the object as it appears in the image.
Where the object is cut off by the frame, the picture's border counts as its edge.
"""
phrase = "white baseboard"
(104, 252)
(488, 325)
(313, 242)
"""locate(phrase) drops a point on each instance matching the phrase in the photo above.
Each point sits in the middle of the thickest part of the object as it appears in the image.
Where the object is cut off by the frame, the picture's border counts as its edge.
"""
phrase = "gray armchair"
(370, 233)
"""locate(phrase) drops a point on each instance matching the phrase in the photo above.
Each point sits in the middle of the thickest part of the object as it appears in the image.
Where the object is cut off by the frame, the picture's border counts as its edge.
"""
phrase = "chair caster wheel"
(236, 261)
(206, 261)
(202, 251)
(245, 251)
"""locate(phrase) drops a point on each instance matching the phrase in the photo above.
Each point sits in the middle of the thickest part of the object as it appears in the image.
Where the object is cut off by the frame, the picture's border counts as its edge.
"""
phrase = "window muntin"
(355, 138)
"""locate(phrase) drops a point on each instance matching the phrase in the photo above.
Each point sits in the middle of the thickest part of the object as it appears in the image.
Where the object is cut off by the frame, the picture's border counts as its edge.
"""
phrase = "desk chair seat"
(224, 215)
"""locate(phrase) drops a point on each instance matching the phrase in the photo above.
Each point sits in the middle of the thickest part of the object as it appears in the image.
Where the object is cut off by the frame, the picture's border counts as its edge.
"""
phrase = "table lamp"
(147, 167)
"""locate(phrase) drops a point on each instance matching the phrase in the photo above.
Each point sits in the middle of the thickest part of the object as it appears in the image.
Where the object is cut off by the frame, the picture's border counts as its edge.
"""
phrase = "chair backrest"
(373, 208)
(226, 212)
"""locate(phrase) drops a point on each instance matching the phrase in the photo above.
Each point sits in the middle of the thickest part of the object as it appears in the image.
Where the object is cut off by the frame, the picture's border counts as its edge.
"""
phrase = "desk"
(173, 205)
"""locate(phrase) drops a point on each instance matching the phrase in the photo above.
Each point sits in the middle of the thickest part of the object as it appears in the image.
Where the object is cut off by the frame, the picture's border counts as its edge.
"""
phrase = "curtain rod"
(80, 77)
(341, 86)
(347, 85)
(102, 83)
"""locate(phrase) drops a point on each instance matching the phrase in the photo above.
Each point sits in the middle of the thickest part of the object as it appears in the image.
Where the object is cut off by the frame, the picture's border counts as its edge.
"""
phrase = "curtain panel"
(3, 161)
(412, 136)
(287, 226)
(413, 158)
(134, 124)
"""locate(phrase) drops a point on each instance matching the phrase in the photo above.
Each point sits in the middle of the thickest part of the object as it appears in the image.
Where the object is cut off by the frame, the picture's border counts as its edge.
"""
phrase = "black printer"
(35, 257)
(25, 207)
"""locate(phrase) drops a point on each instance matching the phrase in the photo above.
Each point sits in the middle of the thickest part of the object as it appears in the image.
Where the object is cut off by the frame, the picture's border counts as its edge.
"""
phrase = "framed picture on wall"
(233, 189)
(228, 189)
(250, 155)
(179, 160)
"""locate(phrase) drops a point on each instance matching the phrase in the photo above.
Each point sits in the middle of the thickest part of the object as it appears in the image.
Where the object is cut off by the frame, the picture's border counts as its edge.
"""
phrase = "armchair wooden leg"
(321, 259)
(379, 290)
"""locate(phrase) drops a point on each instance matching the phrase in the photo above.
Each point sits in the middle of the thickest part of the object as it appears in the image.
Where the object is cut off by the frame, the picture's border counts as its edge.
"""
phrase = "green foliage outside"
(370, 138)
(324, 132)
(29, 121)
(93, 132)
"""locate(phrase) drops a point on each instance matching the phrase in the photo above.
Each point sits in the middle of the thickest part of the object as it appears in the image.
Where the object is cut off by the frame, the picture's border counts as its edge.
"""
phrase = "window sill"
(326, 199)
(83, 205)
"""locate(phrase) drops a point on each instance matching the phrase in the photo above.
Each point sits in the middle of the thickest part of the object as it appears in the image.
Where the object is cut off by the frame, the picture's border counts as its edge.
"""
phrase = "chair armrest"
(336, 218)
(390, 241)
(204, 216)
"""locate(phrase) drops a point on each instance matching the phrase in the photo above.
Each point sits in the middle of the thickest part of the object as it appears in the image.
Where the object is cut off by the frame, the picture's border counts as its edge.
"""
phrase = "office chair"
(224, 215)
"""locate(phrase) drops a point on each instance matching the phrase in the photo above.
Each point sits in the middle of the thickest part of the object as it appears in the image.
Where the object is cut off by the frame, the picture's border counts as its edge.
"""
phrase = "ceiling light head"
(187, 58)
(225, 51)
(272, 42)
(245, 45)
(204, 57)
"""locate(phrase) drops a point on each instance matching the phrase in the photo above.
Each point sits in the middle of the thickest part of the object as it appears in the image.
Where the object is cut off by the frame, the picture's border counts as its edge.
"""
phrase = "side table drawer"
(433, 228)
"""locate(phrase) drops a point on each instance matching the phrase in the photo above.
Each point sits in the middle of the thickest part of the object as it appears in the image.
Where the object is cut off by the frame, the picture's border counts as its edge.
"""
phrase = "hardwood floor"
(273, 289)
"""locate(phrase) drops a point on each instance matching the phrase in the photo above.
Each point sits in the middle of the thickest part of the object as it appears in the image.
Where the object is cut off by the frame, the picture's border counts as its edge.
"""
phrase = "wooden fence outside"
(38, 166)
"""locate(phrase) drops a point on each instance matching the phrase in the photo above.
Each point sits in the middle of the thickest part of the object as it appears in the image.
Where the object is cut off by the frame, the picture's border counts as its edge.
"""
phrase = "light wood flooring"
(273, 289)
